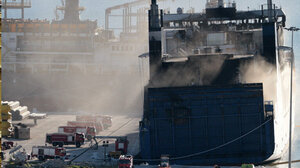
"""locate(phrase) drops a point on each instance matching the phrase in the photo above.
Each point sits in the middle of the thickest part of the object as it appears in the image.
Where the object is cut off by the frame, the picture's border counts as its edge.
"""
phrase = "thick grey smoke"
(108, 82)
(276, 80)
(202, 71)
(260, 71)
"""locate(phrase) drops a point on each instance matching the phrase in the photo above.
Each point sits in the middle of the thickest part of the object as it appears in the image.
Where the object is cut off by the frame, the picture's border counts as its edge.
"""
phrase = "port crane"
(128, 14)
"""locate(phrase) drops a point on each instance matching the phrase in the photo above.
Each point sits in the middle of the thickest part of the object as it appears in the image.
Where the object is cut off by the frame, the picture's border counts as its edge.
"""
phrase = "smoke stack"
(220, 3)
(154, 39)
(270, 9)
(154, 16)
(71, 11)
(215, 4)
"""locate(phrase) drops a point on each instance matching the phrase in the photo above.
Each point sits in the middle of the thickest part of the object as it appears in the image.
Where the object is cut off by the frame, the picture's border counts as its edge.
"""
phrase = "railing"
(26, 3)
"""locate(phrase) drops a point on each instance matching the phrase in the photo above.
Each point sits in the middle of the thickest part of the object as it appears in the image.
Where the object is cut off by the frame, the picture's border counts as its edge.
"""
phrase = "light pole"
(105, 145)
(292, 29)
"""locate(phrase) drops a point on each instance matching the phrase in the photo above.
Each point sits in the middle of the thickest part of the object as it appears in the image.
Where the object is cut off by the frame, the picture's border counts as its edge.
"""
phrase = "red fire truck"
(97, 125)
(7, 145)
(121, 144)
(104, 119)
(47, 152)
(126, 161)
(60, 139)
(89, 132)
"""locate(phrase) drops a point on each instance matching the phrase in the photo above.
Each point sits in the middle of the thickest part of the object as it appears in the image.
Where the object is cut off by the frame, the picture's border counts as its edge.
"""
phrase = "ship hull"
(207, 125)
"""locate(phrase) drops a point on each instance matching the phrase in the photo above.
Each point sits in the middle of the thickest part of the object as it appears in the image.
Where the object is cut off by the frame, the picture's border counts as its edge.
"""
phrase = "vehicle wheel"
(89, 137)
(54, 144)
(61, 144)
(41, 158)
(78, 145)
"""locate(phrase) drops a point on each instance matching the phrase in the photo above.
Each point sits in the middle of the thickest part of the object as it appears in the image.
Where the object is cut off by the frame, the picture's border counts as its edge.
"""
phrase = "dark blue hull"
(207, 125)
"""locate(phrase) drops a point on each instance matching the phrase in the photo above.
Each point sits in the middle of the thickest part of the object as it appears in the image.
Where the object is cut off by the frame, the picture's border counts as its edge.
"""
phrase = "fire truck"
(126, 161)
(61, 139)
(7, 145)
(104, 119)
(97, 125)
(47, 152)
(121, 144)
(89, 132)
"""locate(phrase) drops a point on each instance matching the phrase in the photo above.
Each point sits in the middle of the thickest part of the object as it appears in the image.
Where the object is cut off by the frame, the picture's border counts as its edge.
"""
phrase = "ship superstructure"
(42, 45)
(43, 55)
(216, 88)
(69, 43)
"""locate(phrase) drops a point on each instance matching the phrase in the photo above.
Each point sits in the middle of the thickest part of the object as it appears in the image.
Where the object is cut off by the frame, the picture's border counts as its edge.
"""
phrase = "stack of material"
(37, 115)
(6, 126)
(18, 112)
(22, 132)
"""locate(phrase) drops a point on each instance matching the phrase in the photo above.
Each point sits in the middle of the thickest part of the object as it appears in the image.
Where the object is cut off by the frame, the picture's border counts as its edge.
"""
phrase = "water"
(95, 10)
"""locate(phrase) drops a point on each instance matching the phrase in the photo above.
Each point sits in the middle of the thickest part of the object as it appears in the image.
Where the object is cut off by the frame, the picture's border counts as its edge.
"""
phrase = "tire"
(61, 144)
(89, 137)
(78, 145)
(41, 158)
(54, 144)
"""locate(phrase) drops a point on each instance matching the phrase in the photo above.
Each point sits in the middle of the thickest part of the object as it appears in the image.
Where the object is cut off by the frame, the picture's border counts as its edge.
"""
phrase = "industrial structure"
(15, 4)
(205, 103)
(69, 46)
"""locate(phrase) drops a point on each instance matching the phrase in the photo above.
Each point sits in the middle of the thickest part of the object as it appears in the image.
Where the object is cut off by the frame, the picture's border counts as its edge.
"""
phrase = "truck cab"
(126, 161)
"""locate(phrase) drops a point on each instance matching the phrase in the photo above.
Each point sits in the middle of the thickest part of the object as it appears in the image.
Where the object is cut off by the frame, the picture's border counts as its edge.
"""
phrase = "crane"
(127, 15)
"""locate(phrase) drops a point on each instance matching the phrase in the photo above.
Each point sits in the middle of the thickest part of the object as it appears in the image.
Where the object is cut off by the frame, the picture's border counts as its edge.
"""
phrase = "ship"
(46, 61)
(218, 87)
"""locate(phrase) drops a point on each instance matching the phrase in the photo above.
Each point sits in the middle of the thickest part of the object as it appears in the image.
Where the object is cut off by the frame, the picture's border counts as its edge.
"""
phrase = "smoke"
(107, 82)
(112, 92)
(276, 81)
(195, 71)
(260, 71)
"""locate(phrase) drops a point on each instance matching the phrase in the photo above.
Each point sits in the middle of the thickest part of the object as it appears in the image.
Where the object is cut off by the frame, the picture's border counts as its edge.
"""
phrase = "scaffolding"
(129, 16)
(15, 4)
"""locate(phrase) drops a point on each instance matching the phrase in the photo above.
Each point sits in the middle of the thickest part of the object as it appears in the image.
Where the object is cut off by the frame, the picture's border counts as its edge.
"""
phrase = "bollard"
(35, 121)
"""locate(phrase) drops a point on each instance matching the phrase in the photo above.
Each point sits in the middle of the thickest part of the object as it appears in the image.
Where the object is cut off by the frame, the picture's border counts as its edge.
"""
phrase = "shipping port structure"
(68, 49)
(69, 44)
(217, 88)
